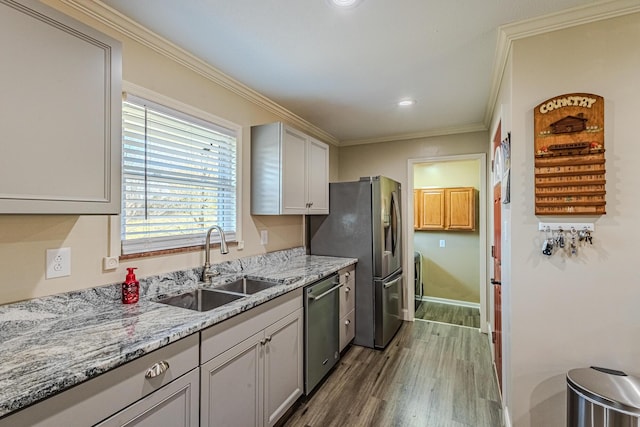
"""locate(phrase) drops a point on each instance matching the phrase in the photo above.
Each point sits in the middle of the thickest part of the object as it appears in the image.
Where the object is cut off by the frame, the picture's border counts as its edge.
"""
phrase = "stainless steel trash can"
(601, 397)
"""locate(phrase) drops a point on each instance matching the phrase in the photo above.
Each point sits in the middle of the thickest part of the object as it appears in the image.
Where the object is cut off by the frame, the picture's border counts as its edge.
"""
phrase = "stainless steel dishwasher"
(321, 330)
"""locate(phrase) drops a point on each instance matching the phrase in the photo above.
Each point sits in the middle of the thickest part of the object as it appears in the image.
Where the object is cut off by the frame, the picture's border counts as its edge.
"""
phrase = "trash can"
(601, 397)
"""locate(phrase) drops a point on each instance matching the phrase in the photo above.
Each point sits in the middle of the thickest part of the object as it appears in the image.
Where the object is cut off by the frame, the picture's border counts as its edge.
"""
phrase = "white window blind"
(178, 178)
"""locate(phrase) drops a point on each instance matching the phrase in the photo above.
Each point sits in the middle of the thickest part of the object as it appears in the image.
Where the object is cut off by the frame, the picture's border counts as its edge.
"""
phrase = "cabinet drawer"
(347, 291)
(100, 397)
(218, 338)
(347, 329)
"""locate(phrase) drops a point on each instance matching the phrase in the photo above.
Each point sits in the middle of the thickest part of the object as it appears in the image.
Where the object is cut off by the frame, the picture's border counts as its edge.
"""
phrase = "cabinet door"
(461, 208)
(432, 216)
(231, 386)
(174, 405)
(318, 175)
(294, 185)
(283, 366)
(60, 114)
(416, 209)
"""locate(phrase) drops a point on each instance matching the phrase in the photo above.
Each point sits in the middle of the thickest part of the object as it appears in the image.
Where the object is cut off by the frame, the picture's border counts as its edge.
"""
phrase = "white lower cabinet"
(174, 405)
(252, 371)
(168, 399)
(250, 374)
(347, 305)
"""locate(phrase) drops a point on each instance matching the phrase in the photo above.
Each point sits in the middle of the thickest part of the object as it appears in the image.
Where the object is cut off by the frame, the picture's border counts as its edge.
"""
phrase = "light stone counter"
(52, 343)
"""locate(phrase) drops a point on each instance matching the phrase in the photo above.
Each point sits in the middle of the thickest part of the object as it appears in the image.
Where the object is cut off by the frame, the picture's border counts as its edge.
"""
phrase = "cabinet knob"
(157, 369)
(310, 204)
(347, 289)
(347, 322)
(347, 274)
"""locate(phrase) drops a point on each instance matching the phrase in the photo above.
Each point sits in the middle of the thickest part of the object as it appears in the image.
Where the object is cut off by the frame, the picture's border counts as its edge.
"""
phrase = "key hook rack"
(565, 236)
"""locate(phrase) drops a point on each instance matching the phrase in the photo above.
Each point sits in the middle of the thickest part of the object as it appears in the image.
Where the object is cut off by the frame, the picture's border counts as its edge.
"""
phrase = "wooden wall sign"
(569, 155)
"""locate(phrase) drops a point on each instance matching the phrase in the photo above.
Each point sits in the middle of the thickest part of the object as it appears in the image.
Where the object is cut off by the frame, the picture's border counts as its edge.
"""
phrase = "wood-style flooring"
(448, 313)
(430, 375)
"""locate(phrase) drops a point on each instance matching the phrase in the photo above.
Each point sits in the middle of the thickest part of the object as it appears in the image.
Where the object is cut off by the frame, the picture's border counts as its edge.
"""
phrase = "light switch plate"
(443, 243)
(58, 263)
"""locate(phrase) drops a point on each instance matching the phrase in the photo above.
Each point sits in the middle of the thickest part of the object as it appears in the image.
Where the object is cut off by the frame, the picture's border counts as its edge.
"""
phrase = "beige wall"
(451, 272)
(392, 159)
(24, 239)
(567, 312)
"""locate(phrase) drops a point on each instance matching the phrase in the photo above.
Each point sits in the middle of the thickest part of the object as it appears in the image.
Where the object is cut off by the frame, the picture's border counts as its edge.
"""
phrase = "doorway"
(450, 260)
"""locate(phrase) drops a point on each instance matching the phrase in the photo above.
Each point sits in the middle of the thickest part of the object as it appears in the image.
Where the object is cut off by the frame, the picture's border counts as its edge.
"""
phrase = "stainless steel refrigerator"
(365, 222)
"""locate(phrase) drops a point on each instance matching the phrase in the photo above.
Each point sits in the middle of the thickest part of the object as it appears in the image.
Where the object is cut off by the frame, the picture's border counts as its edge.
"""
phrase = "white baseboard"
(452, 302)
(507, 418)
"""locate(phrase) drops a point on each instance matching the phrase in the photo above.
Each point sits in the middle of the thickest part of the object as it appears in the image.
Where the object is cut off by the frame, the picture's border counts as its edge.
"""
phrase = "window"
(178, 178)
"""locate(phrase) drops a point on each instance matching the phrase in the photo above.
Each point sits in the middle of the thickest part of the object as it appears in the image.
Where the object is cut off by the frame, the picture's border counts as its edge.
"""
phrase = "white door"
(283, 365)
(318, 174)
(231, 386)
(174, 405)
(294, 155)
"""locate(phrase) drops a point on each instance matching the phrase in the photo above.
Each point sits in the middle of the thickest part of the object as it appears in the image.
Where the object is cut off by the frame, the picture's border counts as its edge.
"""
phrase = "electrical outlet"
(58, 263)
(110, 263)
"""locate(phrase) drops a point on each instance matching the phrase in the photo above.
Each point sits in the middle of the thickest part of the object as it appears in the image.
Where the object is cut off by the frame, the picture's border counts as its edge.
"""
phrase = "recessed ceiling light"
(406, 102)
(345, 3)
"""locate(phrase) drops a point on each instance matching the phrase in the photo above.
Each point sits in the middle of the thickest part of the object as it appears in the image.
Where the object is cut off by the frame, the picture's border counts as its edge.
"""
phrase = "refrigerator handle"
(391, 283)
(394, 225)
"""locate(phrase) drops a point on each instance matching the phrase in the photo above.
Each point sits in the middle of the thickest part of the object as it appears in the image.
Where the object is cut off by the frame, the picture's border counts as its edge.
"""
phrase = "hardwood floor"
(448, 313)
(430, 375)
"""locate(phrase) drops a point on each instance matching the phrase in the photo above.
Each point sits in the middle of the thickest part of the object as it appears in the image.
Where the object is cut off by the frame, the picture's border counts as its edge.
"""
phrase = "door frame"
(482, 231)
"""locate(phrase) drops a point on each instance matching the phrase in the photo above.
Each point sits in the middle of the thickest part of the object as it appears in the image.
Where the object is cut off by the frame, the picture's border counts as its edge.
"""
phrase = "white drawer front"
(348, 290)
(347, 329)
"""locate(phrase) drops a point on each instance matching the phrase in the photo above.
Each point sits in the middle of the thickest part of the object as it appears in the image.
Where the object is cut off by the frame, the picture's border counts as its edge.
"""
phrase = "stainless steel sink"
(247, 286)
(201, 299)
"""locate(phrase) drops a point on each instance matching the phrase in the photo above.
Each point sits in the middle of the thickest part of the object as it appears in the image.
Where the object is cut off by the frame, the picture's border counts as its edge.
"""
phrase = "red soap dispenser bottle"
(130, 287)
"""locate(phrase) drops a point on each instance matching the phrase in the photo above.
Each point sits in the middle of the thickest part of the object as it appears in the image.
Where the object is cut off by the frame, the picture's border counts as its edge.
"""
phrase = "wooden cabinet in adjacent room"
(452, 209)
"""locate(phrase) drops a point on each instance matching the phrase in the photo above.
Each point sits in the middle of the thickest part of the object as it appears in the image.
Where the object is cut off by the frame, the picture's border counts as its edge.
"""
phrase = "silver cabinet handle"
(391, 283)
(157, 369)
(324, 294)
(266, 340)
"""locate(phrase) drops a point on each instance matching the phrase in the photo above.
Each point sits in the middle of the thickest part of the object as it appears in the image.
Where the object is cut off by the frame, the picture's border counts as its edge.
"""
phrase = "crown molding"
(126, 26)
(508, 33)
(473, 127)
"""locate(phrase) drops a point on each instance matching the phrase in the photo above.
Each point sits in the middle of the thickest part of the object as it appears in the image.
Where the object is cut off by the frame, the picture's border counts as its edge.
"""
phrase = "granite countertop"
(52, 343)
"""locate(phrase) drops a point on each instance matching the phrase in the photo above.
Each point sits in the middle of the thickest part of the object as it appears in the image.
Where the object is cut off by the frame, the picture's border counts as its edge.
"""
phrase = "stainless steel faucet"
(208, 272)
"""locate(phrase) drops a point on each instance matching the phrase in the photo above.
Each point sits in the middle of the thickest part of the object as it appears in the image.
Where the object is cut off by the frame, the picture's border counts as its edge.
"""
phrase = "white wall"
(567, 312)
(24, 239)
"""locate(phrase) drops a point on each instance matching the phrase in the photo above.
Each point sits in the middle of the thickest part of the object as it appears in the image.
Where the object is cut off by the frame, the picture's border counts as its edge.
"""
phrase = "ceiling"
(343, 71)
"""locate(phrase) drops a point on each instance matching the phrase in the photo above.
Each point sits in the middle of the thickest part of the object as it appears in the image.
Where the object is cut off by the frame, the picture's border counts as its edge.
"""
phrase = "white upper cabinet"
(60, 114)
(289, 172)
